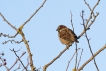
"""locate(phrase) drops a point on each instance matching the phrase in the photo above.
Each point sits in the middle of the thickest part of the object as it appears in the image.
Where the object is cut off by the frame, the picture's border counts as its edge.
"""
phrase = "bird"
(66, 35)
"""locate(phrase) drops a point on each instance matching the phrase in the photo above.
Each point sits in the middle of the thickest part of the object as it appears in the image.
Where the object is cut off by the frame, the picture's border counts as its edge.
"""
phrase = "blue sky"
(42, 34)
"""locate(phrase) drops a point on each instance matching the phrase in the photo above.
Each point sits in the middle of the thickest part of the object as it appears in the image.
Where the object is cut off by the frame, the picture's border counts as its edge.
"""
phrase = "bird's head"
(60, 27)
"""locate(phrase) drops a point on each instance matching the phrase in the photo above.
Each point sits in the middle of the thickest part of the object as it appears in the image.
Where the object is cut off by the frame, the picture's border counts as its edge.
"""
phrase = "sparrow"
(66, 35)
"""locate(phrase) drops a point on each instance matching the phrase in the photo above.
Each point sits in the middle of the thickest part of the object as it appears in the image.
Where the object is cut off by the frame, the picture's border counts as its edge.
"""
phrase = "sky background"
(41, 32)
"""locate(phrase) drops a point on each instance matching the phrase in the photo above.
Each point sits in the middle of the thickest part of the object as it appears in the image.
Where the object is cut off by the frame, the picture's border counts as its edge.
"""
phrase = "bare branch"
(5, 35)
(7, 22)
(71, 21)
(79, 59)
(88, 41)
(24, 40)
(81, 68)
(91, 10)
(88, 25)
(18, 67)
(19, 58)
(35, 12)
(29, 52)
(4, 64)
(18, 42)
(75, 43)
(45, 67)
(71, 59)
(91, 50)
(17, 61)
(27, 64)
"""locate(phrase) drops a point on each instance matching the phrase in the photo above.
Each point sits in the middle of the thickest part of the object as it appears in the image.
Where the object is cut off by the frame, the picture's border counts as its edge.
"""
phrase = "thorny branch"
(92, 57)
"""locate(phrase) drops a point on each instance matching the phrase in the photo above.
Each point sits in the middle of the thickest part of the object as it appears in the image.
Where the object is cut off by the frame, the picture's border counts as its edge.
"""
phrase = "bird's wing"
(64, 34)
(73, 36)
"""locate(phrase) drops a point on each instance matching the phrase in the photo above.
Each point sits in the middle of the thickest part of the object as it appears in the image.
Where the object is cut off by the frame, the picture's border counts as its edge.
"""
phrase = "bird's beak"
(57, 29)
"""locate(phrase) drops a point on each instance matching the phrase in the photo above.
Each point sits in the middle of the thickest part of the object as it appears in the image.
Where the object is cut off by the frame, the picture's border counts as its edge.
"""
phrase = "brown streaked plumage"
(66, 35)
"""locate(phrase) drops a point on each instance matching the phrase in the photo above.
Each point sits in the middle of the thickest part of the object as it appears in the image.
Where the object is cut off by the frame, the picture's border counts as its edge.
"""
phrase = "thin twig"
(71, 59)
(19, 31)
(5, 35)
(71, 21)
(7, 22)
(34, 13)
(24, 40)
(18, 67)
(18, 42)
(76, 55)
(4, 64)
(92, 57)
(91, 51)
(19, 58)
(27, 64)
(80, 59)
(45, 67)
(17, 61)
(88, 40)
(75, 42)
(88, 25)
(91, 11)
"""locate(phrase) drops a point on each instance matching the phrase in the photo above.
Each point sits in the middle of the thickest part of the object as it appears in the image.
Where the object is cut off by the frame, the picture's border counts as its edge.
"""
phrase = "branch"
(18, 42)
(7, 22)
(71, 59)
(17, 60)
(88, 40)
(34, 13)
(45, 67)
(19, 31)
(79, 59)
(5, 35)
(88, 25)
(81, 68)
(4, 64)
(27, 64)
(18, 67)
(91, 50)
(71, 21)
(91, 11)
(24, 40)
(75, 43)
